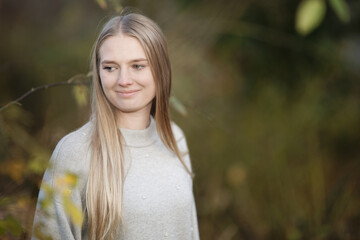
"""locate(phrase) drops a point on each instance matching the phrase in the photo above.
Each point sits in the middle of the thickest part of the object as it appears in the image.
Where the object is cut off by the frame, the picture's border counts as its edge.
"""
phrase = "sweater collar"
(140, 138)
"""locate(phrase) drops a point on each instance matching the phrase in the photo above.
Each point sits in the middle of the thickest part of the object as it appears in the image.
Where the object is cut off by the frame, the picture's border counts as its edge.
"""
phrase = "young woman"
(132, 162)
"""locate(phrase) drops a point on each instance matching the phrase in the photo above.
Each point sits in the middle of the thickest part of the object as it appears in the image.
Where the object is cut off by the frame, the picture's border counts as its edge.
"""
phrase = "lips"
(127, 93)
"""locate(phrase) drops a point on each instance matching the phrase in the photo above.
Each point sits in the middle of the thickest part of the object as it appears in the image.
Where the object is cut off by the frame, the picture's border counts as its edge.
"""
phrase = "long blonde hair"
(104, 194)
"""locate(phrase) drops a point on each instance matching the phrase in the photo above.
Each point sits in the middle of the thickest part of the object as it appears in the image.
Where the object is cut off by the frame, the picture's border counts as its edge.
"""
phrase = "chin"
(129, 109)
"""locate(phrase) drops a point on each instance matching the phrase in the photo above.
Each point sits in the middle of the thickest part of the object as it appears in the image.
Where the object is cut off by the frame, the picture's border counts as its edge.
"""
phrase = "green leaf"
(309, 15)
(341, 9)
(179, 107)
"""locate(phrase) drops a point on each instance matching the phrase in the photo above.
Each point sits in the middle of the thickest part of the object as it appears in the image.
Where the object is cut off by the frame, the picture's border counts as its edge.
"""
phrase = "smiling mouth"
(127, 93)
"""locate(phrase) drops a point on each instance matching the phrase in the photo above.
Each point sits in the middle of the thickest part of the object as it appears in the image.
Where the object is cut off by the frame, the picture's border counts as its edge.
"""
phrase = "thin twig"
(72, 81)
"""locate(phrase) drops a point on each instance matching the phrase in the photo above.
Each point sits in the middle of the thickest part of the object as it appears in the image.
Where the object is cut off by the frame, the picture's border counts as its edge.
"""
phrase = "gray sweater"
(158, 193)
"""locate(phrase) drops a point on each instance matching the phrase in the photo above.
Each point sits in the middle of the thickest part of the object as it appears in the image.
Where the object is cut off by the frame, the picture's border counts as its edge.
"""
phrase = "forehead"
(121, 47)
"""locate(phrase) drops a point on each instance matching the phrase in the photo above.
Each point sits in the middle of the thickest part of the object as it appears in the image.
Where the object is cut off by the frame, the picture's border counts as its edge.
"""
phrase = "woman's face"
(126, 75)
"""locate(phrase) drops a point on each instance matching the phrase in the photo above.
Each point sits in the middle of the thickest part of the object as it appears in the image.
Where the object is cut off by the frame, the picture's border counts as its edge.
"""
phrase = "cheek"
(106, 87)
(106, 81)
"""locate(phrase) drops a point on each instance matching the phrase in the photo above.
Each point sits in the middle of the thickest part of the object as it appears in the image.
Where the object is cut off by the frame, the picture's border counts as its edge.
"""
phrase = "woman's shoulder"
(71, 155)
(177, 131)
(76, 138)
(181, 142)
(72, 149)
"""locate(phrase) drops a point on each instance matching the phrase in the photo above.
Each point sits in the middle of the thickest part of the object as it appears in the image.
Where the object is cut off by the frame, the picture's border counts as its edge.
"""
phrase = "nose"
(125, 78)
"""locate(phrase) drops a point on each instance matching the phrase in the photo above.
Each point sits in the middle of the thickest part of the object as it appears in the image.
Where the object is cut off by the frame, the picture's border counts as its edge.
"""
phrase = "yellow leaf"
(72, 211)
(48, 189)
(81, 95)
(309, 15)
(69, 180)
(102, 3)
(46, 202)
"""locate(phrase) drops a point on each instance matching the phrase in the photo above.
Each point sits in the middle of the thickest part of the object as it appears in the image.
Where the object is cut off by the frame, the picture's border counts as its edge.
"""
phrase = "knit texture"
(158, 192)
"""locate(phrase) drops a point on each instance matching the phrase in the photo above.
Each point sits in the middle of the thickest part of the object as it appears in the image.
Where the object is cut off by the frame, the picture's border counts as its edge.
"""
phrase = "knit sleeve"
(195, 227)
(182, 144)
(50, 219)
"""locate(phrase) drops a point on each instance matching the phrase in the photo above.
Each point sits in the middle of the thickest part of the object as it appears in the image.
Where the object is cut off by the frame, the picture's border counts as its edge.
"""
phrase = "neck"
(134, 121)
(142, 137)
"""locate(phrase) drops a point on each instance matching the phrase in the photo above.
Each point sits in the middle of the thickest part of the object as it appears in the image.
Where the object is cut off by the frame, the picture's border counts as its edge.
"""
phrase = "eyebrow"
(131, 61)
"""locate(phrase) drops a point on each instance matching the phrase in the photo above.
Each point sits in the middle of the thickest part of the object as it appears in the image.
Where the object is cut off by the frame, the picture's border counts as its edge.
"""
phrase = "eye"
(138, 66)
(108, 68)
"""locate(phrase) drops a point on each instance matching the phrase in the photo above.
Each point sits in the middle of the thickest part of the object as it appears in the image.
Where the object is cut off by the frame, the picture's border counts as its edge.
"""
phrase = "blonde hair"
(104, 194)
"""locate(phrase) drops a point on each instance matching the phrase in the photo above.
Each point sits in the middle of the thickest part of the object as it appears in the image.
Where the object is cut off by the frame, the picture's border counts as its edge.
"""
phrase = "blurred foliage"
(310, 14)
(116, 5)
(61, 190)
(10, 224)
(267, 93)
(341, 9)
(67, 183)
(81, 95)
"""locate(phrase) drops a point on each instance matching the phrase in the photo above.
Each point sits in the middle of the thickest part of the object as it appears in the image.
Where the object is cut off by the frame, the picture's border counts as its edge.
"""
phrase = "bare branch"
(79, 79)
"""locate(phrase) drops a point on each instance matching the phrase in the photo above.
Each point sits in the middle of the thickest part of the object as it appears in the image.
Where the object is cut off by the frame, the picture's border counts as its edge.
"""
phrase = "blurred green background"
(267, 93)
